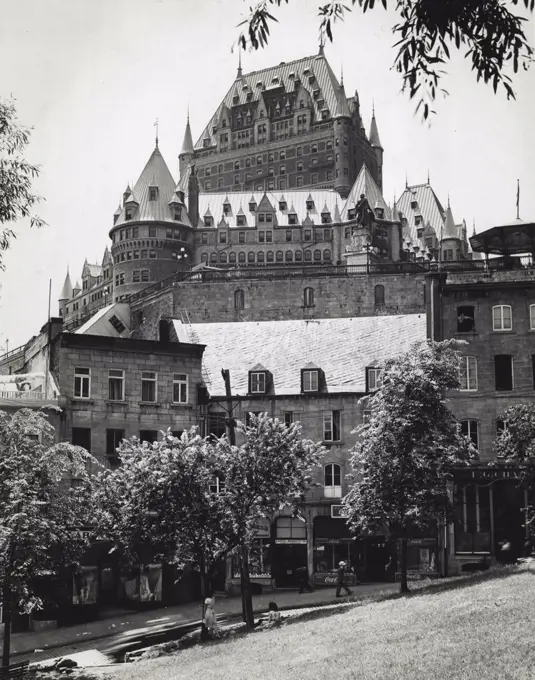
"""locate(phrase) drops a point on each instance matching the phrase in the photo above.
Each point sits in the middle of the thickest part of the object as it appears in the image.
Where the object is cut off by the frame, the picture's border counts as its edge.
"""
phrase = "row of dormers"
(313, 380)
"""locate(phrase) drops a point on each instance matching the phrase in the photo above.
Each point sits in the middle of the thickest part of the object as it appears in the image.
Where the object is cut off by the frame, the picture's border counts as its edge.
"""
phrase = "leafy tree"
(162, 495)
(516, 441)
(38, 509)
(16, 176)
(490, 32)
(271, 469)
(411, 445)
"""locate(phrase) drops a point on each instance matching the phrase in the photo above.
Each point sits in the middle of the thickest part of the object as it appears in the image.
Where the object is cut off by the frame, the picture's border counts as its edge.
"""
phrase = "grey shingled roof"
(429, 207)
(365, 184)
(342, 348)
(325, 81)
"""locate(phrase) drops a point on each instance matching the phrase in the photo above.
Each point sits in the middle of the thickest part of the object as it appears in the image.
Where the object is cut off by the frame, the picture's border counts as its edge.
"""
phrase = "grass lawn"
(472, 630)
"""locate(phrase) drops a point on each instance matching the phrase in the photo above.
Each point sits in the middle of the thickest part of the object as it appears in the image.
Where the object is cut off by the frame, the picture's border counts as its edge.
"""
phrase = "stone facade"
(97, 413)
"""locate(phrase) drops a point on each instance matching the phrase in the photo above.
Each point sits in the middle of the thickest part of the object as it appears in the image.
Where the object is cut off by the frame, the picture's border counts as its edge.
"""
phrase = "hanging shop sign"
(488, 474)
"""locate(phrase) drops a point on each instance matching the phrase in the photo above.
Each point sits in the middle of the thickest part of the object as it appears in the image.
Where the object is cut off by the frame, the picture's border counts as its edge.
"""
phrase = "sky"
(92, 76)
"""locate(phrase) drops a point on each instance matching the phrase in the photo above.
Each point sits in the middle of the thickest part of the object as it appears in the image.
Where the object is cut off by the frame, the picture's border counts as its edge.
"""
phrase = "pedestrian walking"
(303, 580)
(341, 580)
(209, 618)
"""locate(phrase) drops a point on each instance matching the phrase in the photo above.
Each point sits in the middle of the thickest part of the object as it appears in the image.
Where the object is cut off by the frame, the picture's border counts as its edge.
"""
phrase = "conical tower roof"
(450, 230)
(66, 291)
(155, 174)
(374, 133)
(342, 107)
(187, 144)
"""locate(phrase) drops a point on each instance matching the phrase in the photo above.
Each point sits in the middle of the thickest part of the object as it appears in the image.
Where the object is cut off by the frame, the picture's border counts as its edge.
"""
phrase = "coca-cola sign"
(331, 579)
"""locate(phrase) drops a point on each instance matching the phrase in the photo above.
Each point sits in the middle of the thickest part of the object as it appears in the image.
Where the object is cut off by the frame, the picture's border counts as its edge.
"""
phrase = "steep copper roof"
(187, 144)
(155, 174)
(427, 205)
(374, 133)
(450, 228)
(342, 348)
(282, 76)
(296, 203)
(365, 184)
(66, 291)
(342, 108)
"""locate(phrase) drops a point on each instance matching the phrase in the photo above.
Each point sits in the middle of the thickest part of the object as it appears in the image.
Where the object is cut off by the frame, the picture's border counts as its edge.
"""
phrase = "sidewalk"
(129, 624)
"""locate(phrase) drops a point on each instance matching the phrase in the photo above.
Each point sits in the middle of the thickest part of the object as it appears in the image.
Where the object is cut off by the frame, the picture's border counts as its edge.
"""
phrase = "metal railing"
(12, 395)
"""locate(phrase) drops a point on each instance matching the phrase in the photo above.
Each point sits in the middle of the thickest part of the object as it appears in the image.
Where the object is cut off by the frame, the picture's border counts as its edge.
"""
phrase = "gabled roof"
(212, 204)
(155, 174)
(66, 291)
(428, 206)
(93, 270)
(107, 258)
(365, 184)
(343, 348)
(282, 77)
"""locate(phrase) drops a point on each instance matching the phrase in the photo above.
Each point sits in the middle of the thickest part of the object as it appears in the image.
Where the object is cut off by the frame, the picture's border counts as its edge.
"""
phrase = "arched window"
(308, 299)
(327, 255)
(298, 255)
(239, 299)
(289, 256)
(317, 256)
(250, 257)
(260, 258)
(308, 256)
(204, 257)
(270, 256)
(280, 256)
(333, 481)
(223, 258)
(232, 258)
(379, 292)
(241, 258)
(213, 258)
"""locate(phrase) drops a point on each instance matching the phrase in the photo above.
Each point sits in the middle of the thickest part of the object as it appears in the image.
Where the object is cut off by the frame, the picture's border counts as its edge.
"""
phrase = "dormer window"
(252, 206)
(325, 217)
(310, 204)
(208, 221)
(373, 379)
(128, 214)
(153, 193)
(351, 213)
(235, 99)
(178, 215)
(417, 219)
(414, 204)
(311, 379)
(226, 208)
(269, 217)
(240, 220)
(282, 205)
(257, 382)
(380, 213)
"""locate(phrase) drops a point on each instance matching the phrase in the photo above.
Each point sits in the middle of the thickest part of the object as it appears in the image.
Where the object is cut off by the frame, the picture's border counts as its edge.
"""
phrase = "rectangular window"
(331, 426)
(258, 382)
(113, 439)
(310, 381)
(241, 237)
(373, 379)
(288, 417)
(308, 235)
(152, 232)
(466, 319)
(468, 374)
(502, 318)
(470, 429)
(81, 436)
(149, 436)
(204, 238)
(180, 388)
(503, 372)
(116, 384)
(145, 275)
(82, 383)
(149, 386)
(288, 235)
(222, 237)
(136, 276)
(366, 417)
(532, 317)
(269, 237)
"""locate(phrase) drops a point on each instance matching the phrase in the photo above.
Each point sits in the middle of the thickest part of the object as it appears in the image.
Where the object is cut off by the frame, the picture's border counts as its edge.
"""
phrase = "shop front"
(259, 563)
(140, 586)
(491, 515)
(289, 551)
(422, 558)
(333, 544)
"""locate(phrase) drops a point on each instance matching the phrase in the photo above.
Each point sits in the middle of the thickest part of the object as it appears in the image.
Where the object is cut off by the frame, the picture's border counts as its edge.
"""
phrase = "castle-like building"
(283, 177)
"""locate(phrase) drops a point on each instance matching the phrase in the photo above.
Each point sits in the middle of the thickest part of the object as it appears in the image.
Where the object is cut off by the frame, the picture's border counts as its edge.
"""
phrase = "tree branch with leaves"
(489, 31)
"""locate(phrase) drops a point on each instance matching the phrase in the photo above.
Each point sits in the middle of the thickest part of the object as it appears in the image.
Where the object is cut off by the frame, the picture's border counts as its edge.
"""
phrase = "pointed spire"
(156, 126)
(240, 72)
(66, 291)
(322, 44)
(406, 180)
(450, 230)
(374, 132)
(428, 180)
(473, 226)
(187, 144)
(342, 107)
